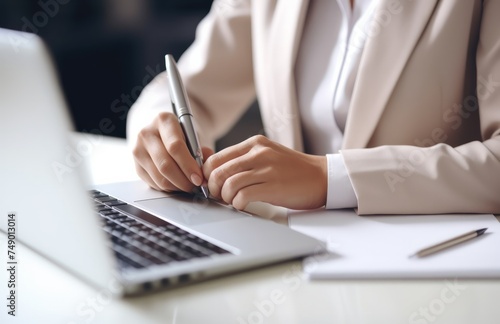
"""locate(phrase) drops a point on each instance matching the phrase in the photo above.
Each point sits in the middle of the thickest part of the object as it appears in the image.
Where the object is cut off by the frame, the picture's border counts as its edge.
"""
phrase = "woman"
(396, 104)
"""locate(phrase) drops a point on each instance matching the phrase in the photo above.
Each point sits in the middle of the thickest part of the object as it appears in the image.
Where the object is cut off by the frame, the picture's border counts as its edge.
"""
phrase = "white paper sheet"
(380, 246)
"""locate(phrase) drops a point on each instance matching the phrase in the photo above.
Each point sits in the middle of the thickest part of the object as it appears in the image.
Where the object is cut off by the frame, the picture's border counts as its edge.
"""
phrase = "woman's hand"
(162, 158)
(261, 170)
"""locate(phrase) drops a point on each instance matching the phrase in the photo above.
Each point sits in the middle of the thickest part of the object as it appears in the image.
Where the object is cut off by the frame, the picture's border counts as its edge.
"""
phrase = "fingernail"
(195, 179)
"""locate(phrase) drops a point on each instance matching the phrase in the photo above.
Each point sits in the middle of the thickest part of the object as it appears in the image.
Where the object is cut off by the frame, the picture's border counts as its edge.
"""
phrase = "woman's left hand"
(259, 169)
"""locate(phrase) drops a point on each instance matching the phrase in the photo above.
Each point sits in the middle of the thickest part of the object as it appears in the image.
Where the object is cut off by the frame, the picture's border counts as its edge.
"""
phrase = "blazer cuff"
(340, 192)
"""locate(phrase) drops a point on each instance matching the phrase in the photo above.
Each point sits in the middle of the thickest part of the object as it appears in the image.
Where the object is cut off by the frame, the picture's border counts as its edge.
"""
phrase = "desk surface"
(273, 294)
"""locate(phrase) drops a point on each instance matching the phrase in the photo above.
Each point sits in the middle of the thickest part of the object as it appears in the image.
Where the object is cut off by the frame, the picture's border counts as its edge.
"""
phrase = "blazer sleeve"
(217, 73)
(440, 179)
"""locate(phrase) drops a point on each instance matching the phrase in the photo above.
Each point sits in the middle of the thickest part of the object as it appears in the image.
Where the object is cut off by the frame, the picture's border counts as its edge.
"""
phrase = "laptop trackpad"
(188, 209)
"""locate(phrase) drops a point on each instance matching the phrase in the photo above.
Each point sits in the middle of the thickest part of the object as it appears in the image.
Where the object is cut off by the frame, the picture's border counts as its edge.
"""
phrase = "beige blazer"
(423, 130)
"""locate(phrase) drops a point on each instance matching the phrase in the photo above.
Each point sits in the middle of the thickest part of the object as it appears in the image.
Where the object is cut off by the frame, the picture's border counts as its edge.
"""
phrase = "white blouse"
(327, 64)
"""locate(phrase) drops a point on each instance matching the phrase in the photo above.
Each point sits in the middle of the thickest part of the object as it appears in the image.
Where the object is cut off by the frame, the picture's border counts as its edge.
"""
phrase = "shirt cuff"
(340, 192)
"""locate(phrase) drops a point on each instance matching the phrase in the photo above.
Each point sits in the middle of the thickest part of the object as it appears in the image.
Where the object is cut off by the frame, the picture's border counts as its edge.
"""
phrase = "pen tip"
(481, 231)
(205, 191)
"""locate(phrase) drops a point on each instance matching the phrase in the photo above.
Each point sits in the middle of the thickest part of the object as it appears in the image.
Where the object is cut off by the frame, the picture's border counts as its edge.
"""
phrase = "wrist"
(320, 181)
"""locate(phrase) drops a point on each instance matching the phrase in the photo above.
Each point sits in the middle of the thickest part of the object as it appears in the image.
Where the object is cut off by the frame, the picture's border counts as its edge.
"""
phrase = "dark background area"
(107, 50)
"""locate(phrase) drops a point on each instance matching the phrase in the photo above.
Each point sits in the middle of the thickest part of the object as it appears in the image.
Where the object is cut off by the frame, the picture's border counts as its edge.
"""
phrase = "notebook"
(122, 235)
(368, 247)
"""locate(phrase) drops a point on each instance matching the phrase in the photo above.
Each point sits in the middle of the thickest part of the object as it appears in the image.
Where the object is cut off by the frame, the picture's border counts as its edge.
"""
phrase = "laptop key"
(127, 253)
(100, 207)
(99, 195)
(113, 203)
(104, 199)
(108, 211)
(141, 214)
(125, 262)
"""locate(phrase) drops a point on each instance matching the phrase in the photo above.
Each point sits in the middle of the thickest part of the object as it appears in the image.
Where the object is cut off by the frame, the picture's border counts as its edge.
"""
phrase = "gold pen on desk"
(449, 243)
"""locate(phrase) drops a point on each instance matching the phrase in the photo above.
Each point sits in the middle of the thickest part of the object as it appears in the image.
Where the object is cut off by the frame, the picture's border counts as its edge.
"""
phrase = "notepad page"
(380, 246)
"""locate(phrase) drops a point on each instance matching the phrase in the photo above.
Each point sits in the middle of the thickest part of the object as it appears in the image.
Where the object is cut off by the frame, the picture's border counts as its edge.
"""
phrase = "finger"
(174, 142)
(219, 176)
(143, 159)
(146, 163)
(164, 166)
(230, 153)
(207, 152)
(237, 182)
(145, 177)
(247, 195)
(142, 162)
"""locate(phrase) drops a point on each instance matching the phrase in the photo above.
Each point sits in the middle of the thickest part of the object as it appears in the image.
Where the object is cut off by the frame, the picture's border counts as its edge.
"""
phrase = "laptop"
(123, 237)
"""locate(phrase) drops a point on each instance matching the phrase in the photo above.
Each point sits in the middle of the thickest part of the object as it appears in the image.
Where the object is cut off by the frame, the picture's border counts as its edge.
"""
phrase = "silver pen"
(182, 110)
(449, 243)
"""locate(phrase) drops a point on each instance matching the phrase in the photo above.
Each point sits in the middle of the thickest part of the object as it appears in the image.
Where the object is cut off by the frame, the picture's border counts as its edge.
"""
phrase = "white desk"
(48, 294)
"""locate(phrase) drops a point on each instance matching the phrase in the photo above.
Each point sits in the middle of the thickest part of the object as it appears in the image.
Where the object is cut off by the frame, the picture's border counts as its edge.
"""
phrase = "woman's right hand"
(162, 158)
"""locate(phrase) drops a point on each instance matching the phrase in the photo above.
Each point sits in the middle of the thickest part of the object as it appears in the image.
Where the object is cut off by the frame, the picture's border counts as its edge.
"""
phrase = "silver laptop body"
(42, 181)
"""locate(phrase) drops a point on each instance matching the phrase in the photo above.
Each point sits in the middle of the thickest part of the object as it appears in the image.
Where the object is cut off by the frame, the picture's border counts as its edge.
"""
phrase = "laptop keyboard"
(140, 239)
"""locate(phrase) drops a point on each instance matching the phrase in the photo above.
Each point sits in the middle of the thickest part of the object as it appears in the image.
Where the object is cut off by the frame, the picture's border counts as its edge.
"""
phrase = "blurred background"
(107, 50)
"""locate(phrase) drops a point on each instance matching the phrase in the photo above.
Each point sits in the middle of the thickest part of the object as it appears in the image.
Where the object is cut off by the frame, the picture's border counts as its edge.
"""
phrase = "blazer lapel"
(383, 60)
(285, 34)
